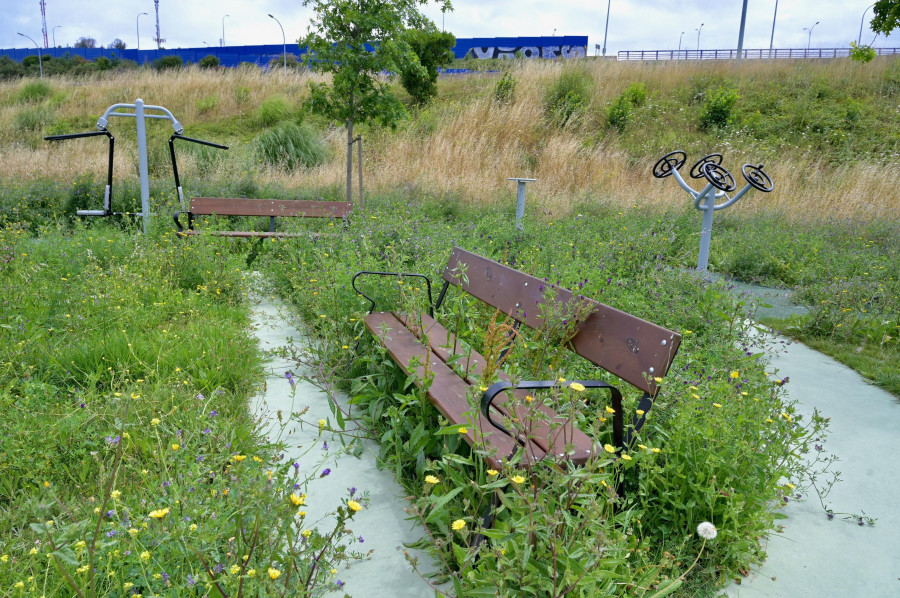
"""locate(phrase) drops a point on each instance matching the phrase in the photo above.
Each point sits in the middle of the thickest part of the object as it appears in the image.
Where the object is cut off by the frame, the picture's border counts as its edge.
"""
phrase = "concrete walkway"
(815, 556)
(382, 523)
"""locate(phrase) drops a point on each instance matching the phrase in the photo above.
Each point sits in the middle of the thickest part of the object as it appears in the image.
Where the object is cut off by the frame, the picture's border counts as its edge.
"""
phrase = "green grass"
(131, 463)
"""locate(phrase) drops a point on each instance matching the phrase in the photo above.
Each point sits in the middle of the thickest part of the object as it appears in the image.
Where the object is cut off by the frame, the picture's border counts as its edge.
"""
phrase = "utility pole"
(159, 40)
(44, 20)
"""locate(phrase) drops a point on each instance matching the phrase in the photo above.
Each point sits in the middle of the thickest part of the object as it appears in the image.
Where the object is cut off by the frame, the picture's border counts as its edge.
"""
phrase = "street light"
(679, 42)
(698, 35)
(137, 26)
(53, 32)
(283, 43)
(859, 39)
(772, 38)
(40, 58)
(223, 30)
(606, 30)
(207, 45)
(809, 37)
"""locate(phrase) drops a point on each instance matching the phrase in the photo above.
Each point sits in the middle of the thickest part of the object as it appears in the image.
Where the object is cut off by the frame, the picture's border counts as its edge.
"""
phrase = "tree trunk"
(350, 160)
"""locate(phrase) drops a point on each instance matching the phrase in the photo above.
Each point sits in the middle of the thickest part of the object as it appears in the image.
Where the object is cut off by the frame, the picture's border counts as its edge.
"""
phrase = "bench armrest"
(401, 275)
(496, 388)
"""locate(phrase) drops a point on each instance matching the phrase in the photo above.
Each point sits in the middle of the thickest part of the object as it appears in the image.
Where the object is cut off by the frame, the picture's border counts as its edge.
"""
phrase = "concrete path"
(382, 523)
(815, 556)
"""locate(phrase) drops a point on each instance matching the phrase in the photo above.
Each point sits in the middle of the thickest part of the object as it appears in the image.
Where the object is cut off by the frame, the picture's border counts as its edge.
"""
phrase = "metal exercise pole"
(520, 199)
(142, 161)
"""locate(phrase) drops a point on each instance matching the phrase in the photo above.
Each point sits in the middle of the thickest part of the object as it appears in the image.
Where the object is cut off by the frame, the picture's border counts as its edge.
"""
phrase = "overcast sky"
(633, 24)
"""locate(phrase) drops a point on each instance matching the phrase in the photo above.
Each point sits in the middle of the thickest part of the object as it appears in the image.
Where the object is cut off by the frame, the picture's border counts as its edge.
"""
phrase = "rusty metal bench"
(634, 350)
(272, 208)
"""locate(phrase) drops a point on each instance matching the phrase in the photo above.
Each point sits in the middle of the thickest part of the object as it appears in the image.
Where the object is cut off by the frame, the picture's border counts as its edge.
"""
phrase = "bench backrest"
(633, 349)
(269, 207)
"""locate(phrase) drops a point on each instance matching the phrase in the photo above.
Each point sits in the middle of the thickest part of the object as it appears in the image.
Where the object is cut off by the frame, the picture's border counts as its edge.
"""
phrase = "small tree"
(209, 61)
(434, 50)
(117, 44)
(86, 42)
(361, 43)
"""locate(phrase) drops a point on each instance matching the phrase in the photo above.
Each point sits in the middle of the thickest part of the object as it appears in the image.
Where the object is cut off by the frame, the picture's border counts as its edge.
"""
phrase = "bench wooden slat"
(448, 392)
(629, 347)
(222, 206)
(552, 437)
(248, 234)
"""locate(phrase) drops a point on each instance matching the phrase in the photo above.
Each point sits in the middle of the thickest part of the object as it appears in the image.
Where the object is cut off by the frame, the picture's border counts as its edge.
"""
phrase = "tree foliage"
(434, 49)
(117, 44)
(887, 16)
(86, 42)
(363, 45)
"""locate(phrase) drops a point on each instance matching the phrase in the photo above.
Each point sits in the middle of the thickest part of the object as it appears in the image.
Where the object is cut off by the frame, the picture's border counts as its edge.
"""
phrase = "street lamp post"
(223, 30)
(772, 37)
(679, 42)
(53, 33)
(283, 43)
(137, 26)
(606, 30)
(809, 37)
(863, 18)
(40, 57)
(699, 29)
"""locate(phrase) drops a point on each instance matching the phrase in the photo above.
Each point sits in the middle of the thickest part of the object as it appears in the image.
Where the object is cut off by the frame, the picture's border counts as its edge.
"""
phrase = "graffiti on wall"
(526, 52)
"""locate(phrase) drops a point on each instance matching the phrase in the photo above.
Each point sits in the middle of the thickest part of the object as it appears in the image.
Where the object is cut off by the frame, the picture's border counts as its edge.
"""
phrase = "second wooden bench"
(271, 208)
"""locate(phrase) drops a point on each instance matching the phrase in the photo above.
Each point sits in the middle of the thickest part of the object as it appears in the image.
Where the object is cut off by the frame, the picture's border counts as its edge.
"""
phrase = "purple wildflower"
(340, 584)
(219, 568)
(83, 405)
(361, 540)
(352, 491)
(325, 472)
(207, 431)
(296, 467)
(165, 577)
(325, 446)
(113, 441)
(190, 580)
(213, 413)
(290, 379)
(111, 533)
(200, 396)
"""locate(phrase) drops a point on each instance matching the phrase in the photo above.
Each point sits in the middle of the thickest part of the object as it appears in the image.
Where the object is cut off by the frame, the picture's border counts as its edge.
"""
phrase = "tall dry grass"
(465, 145)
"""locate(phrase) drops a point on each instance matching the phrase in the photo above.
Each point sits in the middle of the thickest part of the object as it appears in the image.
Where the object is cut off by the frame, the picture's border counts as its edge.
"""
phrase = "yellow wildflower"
(33, 551)
(145, 555)
(298, 500)
(576, 386)
(159, 513)
(193, 527)
(83, 569)
(518, 479)
(134, 531)
(273, 573)
(655, 450)
(492, 472)
(626, 456)
(735, 375)
(430, 479)
(251, 572)
(610, 409)
(4, 558)
(19, 585)
(716, 405)
(175, 446)
(354, 506)
(458, 524)
(463, 430)
(235, 569)
(239, 458)
(642, 447)
(609, 448)
(322, 423)
(115, 494)
(154, 421)
(640, 412)
(306, 533)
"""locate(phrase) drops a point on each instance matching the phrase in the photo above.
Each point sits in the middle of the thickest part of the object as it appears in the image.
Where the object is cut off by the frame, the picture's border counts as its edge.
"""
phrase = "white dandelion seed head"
(707, 530)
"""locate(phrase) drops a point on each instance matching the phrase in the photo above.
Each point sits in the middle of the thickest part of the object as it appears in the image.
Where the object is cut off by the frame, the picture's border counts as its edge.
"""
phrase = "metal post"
(40, 57)
(699, 29)
(223, 30)
(283, 43)
(142, 161)
(706, 230)
(520, 200)
(137, 26)
(740, 48)
(772, 38)
(606, 30)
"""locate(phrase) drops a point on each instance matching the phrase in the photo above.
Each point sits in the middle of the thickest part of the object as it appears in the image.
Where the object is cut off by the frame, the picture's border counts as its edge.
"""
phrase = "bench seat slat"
(222, 206)
(448, 392)
(629, 347)
(552, 438)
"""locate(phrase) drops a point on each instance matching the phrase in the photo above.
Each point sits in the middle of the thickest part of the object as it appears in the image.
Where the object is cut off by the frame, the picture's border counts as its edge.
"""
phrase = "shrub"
(274, 110)
(716, 111)
(505, 89)
(567, 96)
(209, 62)
(618, 113)
(34, 91)
(636, 94)
(10, 69)
(34, 118)
(103, 63)
(289, 146)
(434, 49)
(241, 95)
(207, 104)
(168, 62)
(861, 53)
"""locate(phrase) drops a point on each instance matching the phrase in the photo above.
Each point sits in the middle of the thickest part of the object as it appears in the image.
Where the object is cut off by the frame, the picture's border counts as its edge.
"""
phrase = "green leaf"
(665, 588)
(436, 509)
(451, 430)
(66, 555)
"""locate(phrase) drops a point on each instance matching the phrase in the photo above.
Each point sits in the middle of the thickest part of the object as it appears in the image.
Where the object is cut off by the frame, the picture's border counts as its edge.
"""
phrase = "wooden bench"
(636, 351)
(273, 208)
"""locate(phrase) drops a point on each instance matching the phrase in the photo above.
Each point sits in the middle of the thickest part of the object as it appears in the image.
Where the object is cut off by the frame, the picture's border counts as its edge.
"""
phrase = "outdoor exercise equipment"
(140, 114)
(719, 183)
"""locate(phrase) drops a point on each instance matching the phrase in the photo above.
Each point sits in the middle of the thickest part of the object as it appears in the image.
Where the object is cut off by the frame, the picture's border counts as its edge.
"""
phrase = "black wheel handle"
(718, 177)
(697, 169)
(669, 163)
(757, 177)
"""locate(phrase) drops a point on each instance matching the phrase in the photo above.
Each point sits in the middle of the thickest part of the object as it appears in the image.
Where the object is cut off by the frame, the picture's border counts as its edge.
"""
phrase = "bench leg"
(487, 518)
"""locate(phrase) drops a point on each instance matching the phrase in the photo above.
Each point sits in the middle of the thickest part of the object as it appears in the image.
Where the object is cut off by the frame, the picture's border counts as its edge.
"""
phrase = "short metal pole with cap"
(520, 199)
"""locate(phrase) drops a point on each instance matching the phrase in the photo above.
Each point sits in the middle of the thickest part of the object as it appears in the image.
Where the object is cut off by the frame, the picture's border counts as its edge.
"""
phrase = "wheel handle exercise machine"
(719, 183)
